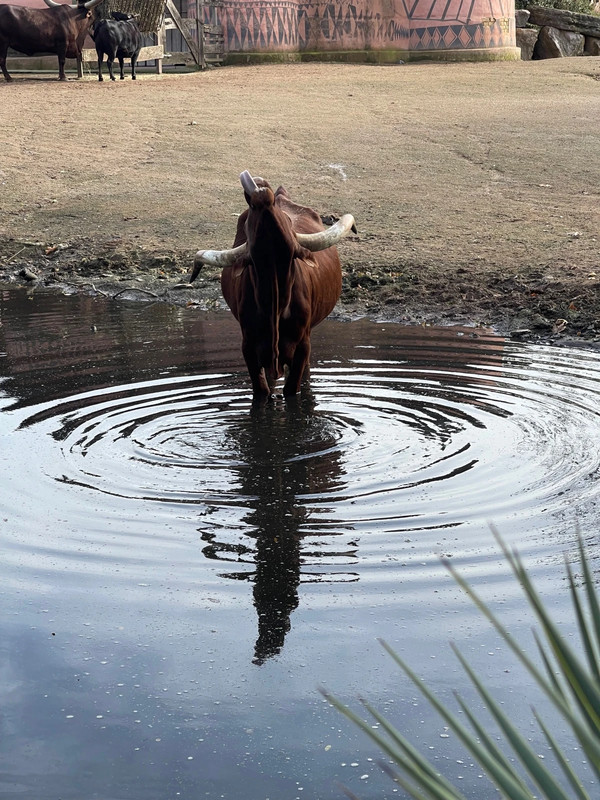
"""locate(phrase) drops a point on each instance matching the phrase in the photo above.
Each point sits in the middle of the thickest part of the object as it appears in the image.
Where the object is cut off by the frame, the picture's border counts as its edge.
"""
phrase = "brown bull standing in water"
(282, 277)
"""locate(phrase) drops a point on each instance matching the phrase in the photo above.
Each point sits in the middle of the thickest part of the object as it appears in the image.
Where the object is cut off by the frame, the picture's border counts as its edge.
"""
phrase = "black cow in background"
(118, 37)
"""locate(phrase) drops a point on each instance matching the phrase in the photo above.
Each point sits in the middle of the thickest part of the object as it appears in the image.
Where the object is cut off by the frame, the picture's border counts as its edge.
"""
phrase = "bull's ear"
(303, 253)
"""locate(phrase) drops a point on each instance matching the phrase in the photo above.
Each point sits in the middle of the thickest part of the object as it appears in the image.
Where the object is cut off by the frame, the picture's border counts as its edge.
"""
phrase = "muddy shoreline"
(524, 309)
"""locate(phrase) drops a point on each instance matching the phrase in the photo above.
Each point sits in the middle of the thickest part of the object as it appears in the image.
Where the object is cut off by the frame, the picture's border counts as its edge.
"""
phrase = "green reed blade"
(562, 760)
(507, 780)
(526, 755)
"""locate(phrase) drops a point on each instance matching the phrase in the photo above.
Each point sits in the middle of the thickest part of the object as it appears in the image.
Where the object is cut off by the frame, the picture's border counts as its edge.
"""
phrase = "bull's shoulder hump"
(302, 216)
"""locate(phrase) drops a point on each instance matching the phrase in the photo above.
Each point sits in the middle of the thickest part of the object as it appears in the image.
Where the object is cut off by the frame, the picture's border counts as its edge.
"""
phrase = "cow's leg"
(62, 57)
(3, 53)
(260, 387)
(122, 67)
(110, 60)
(133, 62)
(100, 60)
(297, 366)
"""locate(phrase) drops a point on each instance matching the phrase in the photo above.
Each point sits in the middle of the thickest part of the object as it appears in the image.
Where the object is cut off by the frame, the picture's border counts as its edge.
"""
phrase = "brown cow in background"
(59, 29)
(281, 279)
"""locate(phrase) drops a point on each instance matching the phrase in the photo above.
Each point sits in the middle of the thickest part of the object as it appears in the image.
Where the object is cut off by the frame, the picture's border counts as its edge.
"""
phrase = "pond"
(183, 569)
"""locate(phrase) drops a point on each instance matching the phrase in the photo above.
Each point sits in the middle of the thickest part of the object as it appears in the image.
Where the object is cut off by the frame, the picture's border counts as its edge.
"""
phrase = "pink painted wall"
(321, 26)
(345, 25)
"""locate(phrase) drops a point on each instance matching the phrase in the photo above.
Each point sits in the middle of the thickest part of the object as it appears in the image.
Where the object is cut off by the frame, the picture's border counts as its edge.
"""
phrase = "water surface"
(182, 569)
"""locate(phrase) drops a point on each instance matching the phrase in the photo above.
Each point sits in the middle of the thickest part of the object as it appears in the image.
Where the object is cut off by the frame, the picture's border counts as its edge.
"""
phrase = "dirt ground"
(475, 187)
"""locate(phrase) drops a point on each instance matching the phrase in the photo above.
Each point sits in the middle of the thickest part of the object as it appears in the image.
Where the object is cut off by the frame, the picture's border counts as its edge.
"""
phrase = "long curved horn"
(327, 238)
(248, 182)
(216, 258)
(91, 4)
(52, 4)
(311, 241)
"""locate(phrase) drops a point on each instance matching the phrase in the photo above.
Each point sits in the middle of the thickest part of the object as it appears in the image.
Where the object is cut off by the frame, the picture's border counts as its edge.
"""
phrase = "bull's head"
(311, 241)
(79, 3)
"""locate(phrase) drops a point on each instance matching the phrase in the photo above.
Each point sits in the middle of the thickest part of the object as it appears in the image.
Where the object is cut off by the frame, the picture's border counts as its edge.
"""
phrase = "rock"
(592, 46)
(522, 17)
(28, 274)
(554, 43)
(526, 39)
(587, 24)
(520, 333)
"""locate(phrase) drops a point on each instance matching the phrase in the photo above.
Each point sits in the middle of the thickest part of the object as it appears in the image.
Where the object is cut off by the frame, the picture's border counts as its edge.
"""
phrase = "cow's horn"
(52, 4)
(216, 258)
(248, 182)
(91, 4)
(329, 237)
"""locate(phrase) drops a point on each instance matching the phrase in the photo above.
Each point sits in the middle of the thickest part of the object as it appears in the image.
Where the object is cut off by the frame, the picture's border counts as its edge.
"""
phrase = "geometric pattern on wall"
(268, 26)
(458, 37)
(464, 12)
(347, 23)
(297, 25)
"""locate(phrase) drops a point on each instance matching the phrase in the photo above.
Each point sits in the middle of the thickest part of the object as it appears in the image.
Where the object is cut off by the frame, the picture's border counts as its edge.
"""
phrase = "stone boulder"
(592, 46)
(587, 24)
(555, 43)
(522, 17)
(526, 39)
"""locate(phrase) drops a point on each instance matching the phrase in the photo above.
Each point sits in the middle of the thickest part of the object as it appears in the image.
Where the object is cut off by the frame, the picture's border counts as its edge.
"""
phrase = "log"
(587, 24)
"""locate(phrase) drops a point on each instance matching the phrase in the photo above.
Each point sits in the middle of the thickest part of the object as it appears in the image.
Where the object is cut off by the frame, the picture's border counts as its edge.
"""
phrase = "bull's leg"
(62, 57)
(100, 60)
(122, 67)
(133, 62)
(260, 387)
(110, 60)
(3, 52)
(298, 364)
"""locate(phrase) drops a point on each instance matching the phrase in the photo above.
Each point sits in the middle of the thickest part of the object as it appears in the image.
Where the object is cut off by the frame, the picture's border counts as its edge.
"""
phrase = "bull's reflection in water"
(288, 459)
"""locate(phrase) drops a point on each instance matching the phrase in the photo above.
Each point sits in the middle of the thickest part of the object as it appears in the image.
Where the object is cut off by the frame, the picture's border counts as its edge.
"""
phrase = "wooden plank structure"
(205, 42)
(150, 18)
(213, 32)
(201, 27)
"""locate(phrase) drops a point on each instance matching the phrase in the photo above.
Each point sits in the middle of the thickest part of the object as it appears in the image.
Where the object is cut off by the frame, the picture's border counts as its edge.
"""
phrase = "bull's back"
(26, 30)
(116, 38)
(321, 272)
(238, 292)
(325, 283)
(304, 219)
(41, 30)
(232, 287)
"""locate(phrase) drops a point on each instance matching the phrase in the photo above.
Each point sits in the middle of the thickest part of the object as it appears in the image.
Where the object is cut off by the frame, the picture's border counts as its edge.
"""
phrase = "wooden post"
(161, 41)
(200, 31)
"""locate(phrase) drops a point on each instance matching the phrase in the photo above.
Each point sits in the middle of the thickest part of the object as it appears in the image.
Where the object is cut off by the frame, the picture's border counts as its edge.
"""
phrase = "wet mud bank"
(535, 307)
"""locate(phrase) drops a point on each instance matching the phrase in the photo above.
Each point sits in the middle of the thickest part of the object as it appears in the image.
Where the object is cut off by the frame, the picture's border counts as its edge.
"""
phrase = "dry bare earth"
(475, 186)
